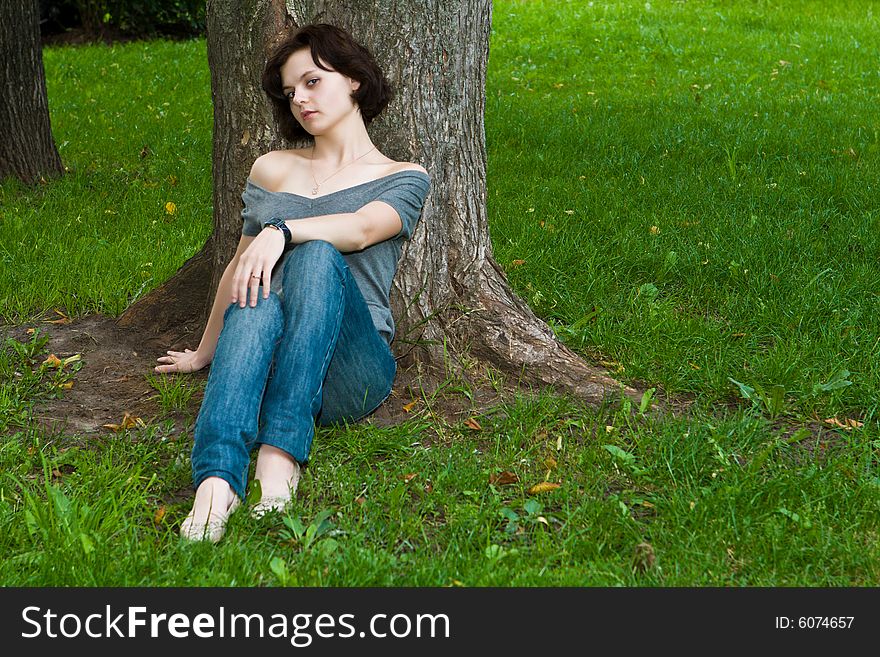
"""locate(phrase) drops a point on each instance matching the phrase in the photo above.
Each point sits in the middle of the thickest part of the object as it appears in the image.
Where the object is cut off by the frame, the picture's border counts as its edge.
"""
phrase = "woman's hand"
(255, 266)
(181, 361)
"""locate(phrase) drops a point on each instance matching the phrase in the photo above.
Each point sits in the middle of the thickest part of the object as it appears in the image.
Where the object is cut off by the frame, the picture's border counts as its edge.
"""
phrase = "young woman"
(301, 327)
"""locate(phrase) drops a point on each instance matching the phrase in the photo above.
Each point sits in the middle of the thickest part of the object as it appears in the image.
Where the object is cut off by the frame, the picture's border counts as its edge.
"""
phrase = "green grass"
(133, 126)
(692, 188)
(174, 391)
(683, 118)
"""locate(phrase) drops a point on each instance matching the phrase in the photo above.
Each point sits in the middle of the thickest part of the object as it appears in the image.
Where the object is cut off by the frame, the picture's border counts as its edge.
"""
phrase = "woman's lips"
(308, 115)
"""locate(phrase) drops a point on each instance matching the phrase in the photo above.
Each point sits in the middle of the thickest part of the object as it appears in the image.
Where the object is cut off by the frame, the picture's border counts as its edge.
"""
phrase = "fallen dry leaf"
(52, 361)
(471, 423)
(66, 386)
(72, 359)
(160, 513)
(644, 557)
(128, 422)
(543, 487)
(550, 462)
(31, 331)
(504, 478)
(848, 151)
(517, 263)
(63, 320)
(408, 407)
(360, 501)
(847, 425)
(410, 476)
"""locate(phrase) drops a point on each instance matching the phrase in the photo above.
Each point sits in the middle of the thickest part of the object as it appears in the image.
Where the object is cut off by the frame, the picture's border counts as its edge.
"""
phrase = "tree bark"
(451, 301)
(27, 149)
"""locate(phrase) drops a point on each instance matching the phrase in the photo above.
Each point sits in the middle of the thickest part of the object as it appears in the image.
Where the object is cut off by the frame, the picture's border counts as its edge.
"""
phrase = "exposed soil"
(117, 361)
(112, 380)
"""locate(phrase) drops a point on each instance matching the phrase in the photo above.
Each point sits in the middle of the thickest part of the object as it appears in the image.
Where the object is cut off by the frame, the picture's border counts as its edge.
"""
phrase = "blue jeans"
(286, 363)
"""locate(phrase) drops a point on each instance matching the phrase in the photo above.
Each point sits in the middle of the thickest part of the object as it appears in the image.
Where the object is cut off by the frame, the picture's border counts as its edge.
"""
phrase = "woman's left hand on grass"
(255, 267)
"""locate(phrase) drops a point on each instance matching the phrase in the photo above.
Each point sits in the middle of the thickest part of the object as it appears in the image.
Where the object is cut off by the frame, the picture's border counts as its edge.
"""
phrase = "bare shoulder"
(270, 169)
(397, 167)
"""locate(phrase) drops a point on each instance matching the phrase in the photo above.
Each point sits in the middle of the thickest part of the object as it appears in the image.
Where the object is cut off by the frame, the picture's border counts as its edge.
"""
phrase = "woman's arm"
(190, 361)
(349, 231)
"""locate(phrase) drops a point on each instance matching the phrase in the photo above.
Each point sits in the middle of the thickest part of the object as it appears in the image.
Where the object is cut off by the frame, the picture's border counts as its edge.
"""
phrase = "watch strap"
(277, 222)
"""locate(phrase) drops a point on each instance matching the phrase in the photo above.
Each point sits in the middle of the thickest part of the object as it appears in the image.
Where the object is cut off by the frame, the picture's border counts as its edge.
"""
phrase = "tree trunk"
(449, 298)
(27, 149)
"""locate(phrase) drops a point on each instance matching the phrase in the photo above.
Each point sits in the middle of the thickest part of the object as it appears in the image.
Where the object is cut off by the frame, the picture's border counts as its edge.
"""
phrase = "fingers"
(239, 284)
(171, 355)
(255, 267)
(254, 287)
(246, 284)
(174, 361)
(167, 368)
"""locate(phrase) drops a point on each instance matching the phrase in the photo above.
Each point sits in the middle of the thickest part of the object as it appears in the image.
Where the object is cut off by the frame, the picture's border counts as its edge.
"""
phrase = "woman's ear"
(355, 84)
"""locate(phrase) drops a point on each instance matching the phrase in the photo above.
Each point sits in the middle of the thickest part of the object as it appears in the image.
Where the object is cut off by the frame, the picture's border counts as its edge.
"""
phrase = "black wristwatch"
(279, 223)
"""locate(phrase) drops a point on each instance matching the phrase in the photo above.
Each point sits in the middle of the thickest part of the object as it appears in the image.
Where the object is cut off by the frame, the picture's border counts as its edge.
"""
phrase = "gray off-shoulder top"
(373, 268)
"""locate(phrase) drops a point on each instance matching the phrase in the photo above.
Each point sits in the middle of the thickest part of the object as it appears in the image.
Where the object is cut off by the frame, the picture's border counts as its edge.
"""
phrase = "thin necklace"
(318, 184)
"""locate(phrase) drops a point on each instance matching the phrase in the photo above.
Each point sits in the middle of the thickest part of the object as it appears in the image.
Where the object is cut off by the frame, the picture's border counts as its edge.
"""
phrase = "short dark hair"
(335, 47)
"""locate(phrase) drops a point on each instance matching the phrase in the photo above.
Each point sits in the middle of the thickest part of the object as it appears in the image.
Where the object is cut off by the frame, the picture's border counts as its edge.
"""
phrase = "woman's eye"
(312, 80)
(289, 95)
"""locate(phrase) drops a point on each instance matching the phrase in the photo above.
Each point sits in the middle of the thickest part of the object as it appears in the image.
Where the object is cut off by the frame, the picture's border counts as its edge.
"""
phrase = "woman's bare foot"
(215, 501)
(278, 474)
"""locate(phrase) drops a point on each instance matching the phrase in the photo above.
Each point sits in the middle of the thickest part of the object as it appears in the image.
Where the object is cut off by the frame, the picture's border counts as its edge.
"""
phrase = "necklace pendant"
(314, 191)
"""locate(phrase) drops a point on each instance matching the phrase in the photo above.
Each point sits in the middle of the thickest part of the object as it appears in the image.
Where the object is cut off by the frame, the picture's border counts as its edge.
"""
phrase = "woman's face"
(319, 99)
